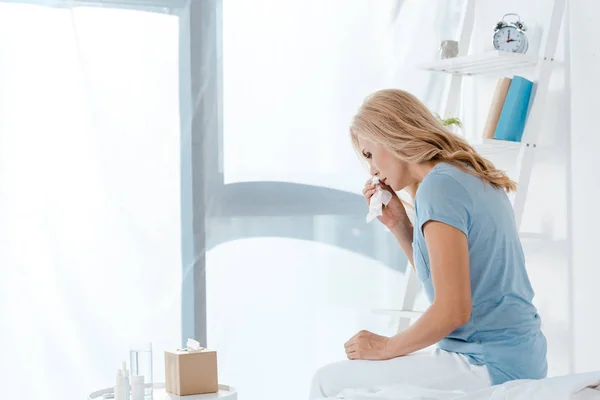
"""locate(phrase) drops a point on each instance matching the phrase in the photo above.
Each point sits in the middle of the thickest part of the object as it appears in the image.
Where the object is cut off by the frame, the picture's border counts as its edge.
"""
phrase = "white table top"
(225, 392)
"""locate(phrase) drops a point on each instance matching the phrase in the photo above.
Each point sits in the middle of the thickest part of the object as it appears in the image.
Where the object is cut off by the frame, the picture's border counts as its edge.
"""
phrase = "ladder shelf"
(516, 158)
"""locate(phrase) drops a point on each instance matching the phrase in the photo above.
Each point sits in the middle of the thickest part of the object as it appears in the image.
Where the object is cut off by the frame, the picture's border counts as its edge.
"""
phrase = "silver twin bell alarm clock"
(510, 36)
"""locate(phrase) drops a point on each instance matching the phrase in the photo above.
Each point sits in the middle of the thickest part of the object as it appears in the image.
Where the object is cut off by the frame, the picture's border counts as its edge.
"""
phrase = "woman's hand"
(394, 212)
(366, 345)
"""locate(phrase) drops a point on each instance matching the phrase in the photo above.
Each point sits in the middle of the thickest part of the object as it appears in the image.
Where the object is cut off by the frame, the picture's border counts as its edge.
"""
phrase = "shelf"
(493, 147)
(483, 63)
(503, 154)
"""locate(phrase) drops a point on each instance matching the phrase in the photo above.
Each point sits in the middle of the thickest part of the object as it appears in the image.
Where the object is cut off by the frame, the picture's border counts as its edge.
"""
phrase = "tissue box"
(191, 372)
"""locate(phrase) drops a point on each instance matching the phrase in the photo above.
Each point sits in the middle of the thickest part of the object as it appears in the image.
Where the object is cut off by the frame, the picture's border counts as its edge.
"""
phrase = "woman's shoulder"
(448, 186)
(443, 180)
(444, 187)
(454, 179)
(450, 170)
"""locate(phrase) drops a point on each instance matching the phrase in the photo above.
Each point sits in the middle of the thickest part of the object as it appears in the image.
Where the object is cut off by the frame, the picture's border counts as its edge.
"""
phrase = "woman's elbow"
(456, 316)
(462, 317)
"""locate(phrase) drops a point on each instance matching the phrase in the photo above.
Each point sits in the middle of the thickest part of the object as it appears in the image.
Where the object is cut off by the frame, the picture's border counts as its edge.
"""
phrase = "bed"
(581, 386)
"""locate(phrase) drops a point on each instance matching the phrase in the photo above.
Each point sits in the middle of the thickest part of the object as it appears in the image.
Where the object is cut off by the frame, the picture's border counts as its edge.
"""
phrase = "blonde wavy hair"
(399, 121)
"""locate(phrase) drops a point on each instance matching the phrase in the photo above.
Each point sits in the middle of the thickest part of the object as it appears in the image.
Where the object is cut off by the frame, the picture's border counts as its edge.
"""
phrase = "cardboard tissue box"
(192, 370)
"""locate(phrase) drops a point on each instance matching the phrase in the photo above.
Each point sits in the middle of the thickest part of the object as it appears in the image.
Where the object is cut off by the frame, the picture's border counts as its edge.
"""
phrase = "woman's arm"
(449, 258)
(403, 232)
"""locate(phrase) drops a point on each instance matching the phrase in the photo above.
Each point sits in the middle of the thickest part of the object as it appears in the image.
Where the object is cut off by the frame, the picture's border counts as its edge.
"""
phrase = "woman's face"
(382, 163)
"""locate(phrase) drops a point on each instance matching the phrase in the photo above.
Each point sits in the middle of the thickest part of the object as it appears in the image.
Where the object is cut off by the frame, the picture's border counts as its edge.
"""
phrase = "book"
(514, 111)
(502, 85)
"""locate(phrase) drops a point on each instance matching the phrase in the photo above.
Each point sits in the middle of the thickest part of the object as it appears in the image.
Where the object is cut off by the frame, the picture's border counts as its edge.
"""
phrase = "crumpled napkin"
(380, 198)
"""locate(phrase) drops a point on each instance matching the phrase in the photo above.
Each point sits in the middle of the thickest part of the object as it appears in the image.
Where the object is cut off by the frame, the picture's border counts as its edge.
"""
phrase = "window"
(90, 243)
(188, 167)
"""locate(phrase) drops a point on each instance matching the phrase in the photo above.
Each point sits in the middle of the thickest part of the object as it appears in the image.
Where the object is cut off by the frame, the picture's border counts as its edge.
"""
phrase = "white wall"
(585, 142)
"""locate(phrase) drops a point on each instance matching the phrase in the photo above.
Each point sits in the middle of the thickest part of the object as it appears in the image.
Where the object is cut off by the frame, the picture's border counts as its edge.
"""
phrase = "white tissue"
(379, 199)
(193, 344)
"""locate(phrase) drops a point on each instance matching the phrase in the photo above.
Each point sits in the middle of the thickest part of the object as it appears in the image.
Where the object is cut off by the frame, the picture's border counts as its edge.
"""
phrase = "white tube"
(125, 382)
(118, 390)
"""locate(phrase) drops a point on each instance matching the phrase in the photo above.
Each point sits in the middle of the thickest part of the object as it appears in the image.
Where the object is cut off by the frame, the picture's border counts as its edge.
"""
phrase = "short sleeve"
(442, 198)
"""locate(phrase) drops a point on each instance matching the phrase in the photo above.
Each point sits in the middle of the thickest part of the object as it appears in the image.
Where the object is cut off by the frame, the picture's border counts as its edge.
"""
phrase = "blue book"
(514, 111)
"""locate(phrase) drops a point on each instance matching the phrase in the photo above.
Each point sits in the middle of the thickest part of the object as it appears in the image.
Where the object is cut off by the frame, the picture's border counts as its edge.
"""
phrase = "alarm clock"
(510, 36)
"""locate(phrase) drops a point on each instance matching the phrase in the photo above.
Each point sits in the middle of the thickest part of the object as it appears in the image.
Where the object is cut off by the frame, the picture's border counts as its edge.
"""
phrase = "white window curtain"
(91, 128)
(89, 194)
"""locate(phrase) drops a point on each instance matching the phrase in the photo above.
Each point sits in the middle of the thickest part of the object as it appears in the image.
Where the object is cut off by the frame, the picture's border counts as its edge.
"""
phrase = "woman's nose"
(372, 170)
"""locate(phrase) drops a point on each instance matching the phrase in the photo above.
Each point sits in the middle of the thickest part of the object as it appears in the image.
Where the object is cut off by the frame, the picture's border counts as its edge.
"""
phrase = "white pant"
(437, 369)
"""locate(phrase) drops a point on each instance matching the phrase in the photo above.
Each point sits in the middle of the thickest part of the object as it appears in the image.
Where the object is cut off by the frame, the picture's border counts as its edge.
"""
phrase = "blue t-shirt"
(504, 331)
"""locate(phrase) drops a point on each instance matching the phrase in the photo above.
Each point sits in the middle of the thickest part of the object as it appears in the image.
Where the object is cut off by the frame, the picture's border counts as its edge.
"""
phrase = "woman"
(465, 248)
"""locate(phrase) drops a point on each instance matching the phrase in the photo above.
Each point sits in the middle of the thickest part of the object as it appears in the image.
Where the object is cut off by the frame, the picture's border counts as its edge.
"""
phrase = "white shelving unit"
(515, 158)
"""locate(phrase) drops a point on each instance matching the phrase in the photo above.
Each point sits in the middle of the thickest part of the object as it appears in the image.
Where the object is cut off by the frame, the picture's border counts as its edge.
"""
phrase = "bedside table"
(225, 393)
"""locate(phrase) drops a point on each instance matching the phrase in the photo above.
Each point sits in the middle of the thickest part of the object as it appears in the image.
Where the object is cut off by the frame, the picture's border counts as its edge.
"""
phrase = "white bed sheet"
(582, 386)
